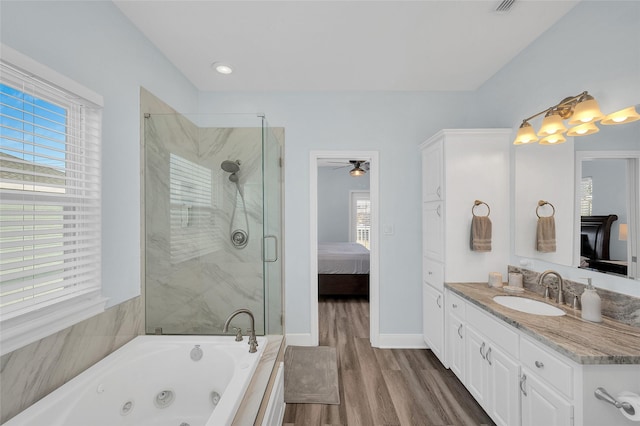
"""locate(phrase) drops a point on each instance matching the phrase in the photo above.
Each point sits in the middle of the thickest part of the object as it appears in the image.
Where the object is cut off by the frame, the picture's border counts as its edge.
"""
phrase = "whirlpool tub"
(154, 381)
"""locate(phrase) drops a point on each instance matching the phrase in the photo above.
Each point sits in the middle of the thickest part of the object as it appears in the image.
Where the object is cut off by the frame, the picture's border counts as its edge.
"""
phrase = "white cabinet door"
(492, 378)
(456, 347)
(504, 401)
(476, 371)
(432, 172)
(541, 405)
(433, 320)
(433, 230)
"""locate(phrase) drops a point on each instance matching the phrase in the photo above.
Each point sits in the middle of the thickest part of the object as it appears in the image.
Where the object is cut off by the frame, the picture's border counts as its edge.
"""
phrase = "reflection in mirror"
(542, 172)
(605, 191)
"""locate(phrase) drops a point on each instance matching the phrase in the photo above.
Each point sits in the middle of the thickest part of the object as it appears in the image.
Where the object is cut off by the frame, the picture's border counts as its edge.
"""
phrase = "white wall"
(334, 191)
(595, 48)
(94, 44)
(393, 123)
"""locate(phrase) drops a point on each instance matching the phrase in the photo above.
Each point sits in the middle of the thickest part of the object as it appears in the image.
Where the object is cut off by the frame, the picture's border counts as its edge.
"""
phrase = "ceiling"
(341, 45)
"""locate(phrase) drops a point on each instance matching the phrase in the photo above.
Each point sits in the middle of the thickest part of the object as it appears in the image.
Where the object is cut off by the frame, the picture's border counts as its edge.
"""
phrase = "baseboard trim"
(401, 341)
(300, 339)
(385, 341)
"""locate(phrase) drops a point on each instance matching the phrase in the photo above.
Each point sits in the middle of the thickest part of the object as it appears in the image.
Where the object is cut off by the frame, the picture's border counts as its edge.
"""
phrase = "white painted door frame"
(374, 281)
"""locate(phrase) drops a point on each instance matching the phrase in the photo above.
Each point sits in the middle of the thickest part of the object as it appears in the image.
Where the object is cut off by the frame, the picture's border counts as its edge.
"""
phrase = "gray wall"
(334, 188)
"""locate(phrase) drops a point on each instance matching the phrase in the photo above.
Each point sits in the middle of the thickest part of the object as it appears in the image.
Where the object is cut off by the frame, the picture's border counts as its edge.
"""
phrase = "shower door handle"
(264, 248)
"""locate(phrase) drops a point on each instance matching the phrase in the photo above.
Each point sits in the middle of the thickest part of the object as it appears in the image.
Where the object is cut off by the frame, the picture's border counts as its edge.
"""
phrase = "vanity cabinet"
(518, 380)
(541, 405)
(492, 372)
(433, 319)
(458, 167)
(546, 387)
(455, 334)
(432, 167)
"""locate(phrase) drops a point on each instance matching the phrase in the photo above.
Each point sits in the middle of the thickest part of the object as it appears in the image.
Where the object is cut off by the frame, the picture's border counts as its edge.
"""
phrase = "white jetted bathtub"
(154, 381)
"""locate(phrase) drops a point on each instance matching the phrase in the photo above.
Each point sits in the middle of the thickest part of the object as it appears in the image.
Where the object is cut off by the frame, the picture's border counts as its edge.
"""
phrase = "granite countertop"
(585, 342)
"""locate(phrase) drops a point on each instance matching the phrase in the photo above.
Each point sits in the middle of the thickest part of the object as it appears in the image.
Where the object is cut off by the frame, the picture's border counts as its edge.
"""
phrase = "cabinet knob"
(539, 364)
(460, 331)
(439, 192)
(488, 355)
(438, 301)
(454, 305)
(439, 210)
(482, 351)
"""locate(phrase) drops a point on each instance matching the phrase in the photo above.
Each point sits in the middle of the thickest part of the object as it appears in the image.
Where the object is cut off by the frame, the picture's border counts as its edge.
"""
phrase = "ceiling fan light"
(626, 115)
(551, 125)
(583, 130)
(586, 111)
(525, 134)
(555, 139)
(357, 171)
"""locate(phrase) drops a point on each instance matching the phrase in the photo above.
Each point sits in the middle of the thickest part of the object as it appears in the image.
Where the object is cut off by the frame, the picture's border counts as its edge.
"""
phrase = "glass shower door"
(195, 273)
(272, 241)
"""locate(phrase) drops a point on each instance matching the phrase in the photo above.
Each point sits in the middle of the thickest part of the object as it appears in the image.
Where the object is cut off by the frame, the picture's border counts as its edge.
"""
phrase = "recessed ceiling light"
(222, 68)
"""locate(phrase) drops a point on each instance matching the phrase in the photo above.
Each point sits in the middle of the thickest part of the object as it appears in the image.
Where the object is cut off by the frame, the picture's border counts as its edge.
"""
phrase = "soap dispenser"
(591, 303)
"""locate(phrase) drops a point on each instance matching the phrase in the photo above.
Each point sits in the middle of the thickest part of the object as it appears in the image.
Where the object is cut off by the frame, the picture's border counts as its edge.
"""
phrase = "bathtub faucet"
(253, 342)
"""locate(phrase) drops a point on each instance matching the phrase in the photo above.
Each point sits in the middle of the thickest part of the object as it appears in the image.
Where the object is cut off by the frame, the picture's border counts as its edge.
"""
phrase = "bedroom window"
(360, 218)
(50, 273)
(586, 196)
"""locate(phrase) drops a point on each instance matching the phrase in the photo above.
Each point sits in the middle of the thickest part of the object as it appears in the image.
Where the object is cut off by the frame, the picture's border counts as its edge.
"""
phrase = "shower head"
(230, 166)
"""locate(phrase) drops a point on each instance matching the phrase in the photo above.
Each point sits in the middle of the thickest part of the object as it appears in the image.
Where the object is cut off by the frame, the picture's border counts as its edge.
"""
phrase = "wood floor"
(383, 386)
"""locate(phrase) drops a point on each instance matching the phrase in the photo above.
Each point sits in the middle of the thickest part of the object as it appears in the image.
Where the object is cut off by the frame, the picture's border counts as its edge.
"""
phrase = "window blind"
(194, 230)
(586, 196)
(50, 197)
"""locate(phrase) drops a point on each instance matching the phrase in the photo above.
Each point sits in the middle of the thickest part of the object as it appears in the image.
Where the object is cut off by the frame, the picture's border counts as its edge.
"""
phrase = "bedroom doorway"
(349, 162)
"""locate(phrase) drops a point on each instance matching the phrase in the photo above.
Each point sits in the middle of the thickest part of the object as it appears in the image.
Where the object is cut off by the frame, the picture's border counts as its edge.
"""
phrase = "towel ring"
(476, 203)
(542, 203)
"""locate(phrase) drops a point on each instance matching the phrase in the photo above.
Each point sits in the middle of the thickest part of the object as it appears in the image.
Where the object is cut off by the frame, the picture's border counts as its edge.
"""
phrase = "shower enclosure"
(212, 222)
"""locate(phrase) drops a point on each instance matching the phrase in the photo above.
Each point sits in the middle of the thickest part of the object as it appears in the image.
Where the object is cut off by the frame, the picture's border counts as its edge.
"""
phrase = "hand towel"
(546, 235)
(481, 233)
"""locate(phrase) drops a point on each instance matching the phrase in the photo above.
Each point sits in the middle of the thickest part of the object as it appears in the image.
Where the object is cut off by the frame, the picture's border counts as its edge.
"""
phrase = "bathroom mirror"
(554, 174)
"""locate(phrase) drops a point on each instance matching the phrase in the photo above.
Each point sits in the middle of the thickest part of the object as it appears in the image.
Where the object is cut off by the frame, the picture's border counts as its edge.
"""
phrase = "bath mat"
(311, 375)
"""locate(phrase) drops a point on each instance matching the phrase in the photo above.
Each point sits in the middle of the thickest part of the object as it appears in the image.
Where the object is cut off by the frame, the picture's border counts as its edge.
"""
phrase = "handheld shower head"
(230, 166)
(233, 177)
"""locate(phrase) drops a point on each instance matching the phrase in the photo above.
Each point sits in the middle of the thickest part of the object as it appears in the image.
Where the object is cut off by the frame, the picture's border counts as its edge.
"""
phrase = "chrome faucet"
(253, 341)
(560, 283)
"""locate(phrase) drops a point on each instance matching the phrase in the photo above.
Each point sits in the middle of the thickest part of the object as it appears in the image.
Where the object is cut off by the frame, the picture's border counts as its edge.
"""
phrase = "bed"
(343, 269)
(595, 234)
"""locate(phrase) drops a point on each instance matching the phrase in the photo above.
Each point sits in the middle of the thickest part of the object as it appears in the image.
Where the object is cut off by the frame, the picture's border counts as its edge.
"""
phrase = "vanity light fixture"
(581, 110)
(626, 115)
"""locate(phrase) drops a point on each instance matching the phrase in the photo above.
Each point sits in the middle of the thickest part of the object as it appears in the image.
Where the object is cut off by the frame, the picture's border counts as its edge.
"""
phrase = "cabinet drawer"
(433, 273)
(499, 333)
(547, 366)
(455, 305)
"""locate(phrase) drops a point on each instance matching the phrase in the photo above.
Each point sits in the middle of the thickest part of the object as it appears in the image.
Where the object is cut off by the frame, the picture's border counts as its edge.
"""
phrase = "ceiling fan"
(360, 167)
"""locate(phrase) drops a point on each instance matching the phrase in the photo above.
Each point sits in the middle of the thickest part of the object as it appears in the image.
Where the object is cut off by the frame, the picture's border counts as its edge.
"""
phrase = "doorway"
(317, 158)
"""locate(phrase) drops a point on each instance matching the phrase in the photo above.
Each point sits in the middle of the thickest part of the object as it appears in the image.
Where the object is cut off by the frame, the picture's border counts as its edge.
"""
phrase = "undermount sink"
(529, 306)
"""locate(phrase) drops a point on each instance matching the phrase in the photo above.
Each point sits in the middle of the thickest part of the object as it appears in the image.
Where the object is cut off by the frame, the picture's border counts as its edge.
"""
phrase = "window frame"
(354, 197)
(47, 318)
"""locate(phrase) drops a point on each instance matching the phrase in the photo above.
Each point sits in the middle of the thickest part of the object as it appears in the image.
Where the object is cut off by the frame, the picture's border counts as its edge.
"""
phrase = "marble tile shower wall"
(30, 373)
(617, 306)
(195, 277)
